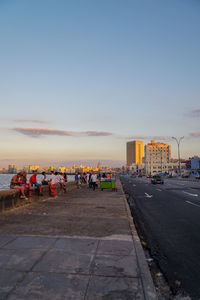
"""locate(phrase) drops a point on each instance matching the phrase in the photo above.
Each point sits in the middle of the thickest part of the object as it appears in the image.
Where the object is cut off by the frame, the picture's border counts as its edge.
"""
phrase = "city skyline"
(85, 78)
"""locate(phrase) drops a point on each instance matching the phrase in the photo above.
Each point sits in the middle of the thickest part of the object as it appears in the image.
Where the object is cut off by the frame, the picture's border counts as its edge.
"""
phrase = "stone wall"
(11, 198)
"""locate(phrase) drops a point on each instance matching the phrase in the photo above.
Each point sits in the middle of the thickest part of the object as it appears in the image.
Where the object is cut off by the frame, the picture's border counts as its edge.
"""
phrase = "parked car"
(185, 176)
(140, 175)
(197, 177)
(157, 179)
(149, 176)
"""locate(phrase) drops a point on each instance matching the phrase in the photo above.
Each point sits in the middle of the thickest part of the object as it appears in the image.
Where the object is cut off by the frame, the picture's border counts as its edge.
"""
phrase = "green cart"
(108, 184)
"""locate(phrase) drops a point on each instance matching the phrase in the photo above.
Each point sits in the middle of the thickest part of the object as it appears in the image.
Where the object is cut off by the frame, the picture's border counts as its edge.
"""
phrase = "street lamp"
(179, 158)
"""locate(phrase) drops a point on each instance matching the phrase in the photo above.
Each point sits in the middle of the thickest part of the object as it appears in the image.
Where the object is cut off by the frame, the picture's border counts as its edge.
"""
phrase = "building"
(157, 158)
(11, 169)
(31, 168)
(134, 152)
(62, 169)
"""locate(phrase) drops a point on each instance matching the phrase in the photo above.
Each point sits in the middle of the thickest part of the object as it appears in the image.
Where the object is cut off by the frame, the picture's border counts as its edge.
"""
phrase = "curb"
(147, 282)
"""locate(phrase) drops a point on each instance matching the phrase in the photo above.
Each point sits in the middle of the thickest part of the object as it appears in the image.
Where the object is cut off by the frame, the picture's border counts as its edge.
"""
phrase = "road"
(168, 216)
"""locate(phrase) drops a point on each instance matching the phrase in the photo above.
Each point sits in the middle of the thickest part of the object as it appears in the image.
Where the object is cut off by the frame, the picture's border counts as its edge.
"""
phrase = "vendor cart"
(108, 184)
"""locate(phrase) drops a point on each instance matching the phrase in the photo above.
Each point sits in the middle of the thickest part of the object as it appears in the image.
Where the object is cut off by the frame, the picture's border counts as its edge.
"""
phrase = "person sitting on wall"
(44, 179)
(54, 179)
(23, 182)
(15, 184)
(33, 183)
(65, 177)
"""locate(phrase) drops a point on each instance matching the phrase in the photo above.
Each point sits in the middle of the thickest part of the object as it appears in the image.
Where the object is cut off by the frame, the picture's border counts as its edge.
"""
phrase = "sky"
(78, 79)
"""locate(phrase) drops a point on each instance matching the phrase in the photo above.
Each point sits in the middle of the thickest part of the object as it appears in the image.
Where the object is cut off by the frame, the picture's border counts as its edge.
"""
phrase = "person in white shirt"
(61, 181)
(87, 177)
(94, 180)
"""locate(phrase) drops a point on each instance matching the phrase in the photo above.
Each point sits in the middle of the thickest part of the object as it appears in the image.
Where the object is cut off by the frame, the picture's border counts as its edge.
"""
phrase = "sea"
(5, 180)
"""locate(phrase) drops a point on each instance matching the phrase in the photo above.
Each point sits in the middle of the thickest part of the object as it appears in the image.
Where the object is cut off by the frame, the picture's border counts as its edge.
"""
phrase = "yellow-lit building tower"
(134, 152)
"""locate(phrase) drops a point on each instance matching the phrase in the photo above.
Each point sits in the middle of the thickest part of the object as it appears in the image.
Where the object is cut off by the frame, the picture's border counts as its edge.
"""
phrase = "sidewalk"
(82, 245)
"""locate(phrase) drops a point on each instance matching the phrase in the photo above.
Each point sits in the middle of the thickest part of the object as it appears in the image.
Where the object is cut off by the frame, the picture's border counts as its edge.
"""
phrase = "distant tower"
(99, 165)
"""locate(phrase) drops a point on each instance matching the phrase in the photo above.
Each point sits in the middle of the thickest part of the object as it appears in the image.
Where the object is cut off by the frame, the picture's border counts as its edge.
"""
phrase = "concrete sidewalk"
(82, 245)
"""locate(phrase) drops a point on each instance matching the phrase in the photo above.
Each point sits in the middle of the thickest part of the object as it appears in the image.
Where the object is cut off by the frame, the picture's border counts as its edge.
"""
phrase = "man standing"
(94, 180)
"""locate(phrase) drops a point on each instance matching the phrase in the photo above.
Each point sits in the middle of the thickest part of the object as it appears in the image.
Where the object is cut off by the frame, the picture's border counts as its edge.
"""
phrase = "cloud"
(195, 113)
(136, 137)
(97, 133)
(36, 132)
(30, 121)
(195, 134)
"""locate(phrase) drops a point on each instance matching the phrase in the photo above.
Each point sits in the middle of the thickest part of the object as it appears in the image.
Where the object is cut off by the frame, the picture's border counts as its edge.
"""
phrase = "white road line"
(134, 184)
(159, 190)
(192, 203)
(148, 196)
(194, 195)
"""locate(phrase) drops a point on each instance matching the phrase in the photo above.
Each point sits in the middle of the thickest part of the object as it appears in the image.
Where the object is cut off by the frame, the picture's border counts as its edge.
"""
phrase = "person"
(90, 181)
(87, 177)
(61, 181)
(33, 182)
(23, 182)
(94, 180)
(82, 178)
(65, 177)
(52, 183)
(15, 184)
(78, 180)
(44, 179)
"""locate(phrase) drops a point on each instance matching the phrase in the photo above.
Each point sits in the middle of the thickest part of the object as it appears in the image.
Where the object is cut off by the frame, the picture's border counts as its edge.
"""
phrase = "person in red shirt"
(33, 182)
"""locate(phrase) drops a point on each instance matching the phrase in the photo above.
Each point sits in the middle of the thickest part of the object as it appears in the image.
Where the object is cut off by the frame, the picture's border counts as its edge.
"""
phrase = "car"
(197, 177)
(157, 179)
(185, 176)
(140, 175)
(149, 176)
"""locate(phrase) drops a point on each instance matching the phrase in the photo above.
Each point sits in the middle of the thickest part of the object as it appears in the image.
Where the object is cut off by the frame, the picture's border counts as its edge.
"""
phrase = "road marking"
(159, 190)
(148, 196)
(194, 195)
(134, 184)
(192, 203)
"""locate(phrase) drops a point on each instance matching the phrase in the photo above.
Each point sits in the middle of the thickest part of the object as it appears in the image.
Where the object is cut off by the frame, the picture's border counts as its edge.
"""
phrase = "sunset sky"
(78, 79)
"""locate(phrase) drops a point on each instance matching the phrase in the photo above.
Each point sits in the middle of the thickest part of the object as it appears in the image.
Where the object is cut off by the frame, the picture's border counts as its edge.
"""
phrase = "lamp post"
(179, 158)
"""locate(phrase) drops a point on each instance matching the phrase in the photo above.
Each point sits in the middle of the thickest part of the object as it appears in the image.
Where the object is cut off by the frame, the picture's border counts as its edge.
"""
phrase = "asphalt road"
(168, 216)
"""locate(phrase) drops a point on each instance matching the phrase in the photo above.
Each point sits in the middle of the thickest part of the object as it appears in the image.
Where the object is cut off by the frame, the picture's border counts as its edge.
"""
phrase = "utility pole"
(179, 157)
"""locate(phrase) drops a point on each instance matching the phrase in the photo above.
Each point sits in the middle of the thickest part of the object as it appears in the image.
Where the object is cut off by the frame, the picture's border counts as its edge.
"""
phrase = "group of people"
(20, 182)
(89, 178)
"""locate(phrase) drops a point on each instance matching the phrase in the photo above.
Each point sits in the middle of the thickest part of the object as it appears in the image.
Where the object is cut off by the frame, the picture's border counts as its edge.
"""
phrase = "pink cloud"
(30, 121)
(195, 134)
(36, 132)
(150, 137)
(97, 133)
(195, 113)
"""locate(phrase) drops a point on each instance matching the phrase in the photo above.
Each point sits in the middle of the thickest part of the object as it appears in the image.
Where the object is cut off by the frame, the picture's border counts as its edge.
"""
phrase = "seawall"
(11, 198)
